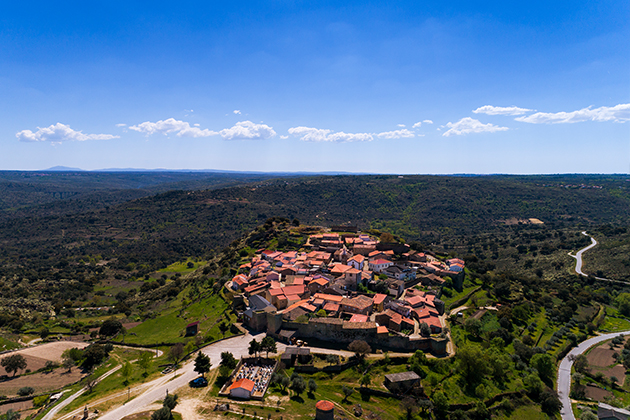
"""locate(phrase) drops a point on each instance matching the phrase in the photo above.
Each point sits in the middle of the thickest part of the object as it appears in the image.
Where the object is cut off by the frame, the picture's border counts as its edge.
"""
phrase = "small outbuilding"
(400, 383)
(192, 329)
(242, 389)
(608, 412)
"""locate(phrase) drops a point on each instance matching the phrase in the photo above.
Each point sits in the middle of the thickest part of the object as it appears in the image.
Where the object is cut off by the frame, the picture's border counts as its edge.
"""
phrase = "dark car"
(199, 382)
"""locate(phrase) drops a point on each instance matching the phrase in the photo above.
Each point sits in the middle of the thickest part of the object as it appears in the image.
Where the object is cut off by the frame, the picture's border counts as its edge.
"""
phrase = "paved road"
(51, 414)
(578, 255)
(564, 371)
(238, 346)
(578, 261)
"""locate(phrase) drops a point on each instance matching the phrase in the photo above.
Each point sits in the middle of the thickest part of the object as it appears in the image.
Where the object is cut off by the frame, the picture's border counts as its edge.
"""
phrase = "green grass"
(114, 382)
(170, 325)
(182, 267)
(6, 344)
(457, 296)
(614, 321)
(527, 412)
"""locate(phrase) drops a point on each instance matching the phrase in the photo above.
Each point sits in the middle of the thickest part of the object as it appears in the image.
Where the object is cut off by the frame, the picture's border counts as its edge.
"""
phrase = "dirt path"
(188, 407)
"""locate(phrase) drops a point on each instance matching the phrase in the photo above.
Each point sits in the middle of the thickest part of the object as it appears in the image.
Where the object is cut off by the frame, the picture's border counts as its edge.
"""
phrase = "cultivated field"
(36, 358)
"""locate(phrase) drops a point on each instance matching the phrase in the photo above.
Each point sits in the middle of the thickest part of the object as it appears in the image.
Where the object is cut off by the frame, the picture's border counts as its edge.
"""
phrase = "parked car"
(200, 382)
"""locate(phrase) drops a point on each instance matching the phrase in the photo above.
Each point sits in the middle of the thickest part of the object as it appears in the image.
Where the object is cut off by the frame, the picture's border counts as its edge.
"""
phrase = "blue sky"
(468, 87)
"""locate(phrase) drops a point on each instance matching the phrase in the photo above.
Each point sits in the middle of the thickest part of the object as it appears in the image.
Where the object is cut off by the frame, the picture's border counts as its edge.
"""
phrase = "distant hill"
(63, 169)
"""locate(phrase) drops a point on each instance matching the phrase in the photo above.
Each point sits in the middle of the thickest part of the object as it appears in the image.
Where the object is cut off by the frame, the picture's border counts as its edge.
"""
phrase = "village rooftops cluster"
(330, 281)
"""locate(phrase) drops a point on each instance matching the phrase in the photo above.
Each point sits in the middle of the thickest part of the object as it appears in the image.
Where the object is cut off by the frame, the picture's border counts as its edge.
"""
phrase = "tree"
(347, 391)
(254, 348)
(472, 363)
(360, 349)
(91, 381)
(10, 415)
(298, 384)
(25, 390)
(144, 361)
(176, 352)
(223, 327)
(312, 386)
(332, 359)
(228, 359)
(285, 382)
(170, 401)
(44, 333)
(473, 326)
(545, 366)
(588, 415)
(67, 362)
(202, 364)
(365, 380)
(440, 404)
(13, 363)
(126, 372)
(198, 341)
(581, 363)
(162, 414)
(425, 330)
(268, 345)
(549, 402)
(110, 328)
(93, 355)
(623, 303)
(533, 385)
(409, 406)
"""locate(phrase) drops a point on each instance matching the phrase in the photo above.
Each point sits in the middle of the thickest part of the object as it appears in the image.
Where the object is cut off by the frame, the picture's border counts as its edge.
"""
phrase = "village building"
(401, 383)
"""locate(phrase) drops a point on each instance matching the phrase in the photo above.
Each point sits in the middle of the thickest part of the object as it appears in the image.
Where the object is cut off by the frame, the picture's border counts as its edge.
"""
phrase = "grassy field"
(614, 321)
(170, 325)
(114, 382)
(527, 412)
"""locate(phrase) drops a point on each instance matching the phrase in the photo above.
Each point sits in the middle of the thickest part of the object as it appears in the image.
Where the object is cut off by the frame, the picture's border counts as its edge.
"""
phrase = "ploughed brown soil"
(597, 394)
(601, 356)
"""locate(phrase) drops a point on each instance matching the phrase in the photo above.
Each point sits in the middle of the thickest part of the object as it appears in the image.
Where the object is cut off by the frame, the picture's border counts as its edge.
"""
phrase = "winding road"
(157, 389)
(578, 255)
(564, 371)
(578, 261)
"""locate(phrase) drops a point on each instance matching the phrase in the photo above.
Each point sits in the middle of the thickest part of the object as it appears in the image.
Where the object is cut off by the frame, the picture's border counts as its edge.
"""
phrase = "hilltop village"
(349, 286)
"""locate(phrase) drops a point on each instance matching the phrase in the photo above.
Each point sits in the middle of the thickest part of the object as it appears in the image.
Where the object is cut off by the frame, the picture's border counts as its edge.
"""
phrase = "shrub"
(40, 400)
(25, 390)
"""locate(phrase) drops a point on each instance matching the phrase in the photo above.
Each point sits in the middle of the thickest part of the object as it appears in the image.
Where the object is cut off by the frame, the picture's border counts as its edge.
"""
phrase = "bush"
(25, 390)
(40, 400)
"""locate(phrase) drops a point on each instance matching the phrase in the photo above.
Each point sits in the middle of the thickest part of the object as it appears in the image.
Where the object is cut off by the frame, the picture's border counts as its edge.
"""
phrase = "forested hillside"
(485, 218)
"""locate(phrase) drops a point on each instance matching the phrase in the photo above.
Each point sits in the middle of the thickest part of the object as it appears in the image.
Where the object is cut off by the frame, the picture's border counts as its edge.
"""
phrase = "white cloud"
(319, 135)
(121, 125)
(247, 130)
(470, 125)
(284, 137)
(171, 125)
(501, 110)
(58, 133)
(427, 122)
(617, 113)
(237, 112)
(401, 125)
(417, 125)
(397, 134)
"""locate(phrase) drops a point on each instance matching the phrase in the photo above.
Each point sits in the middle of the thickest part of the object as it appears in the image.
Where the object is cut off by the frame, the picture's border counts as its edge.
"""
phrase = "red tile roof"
(379, 298)
(243, 383)
(359, 318)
